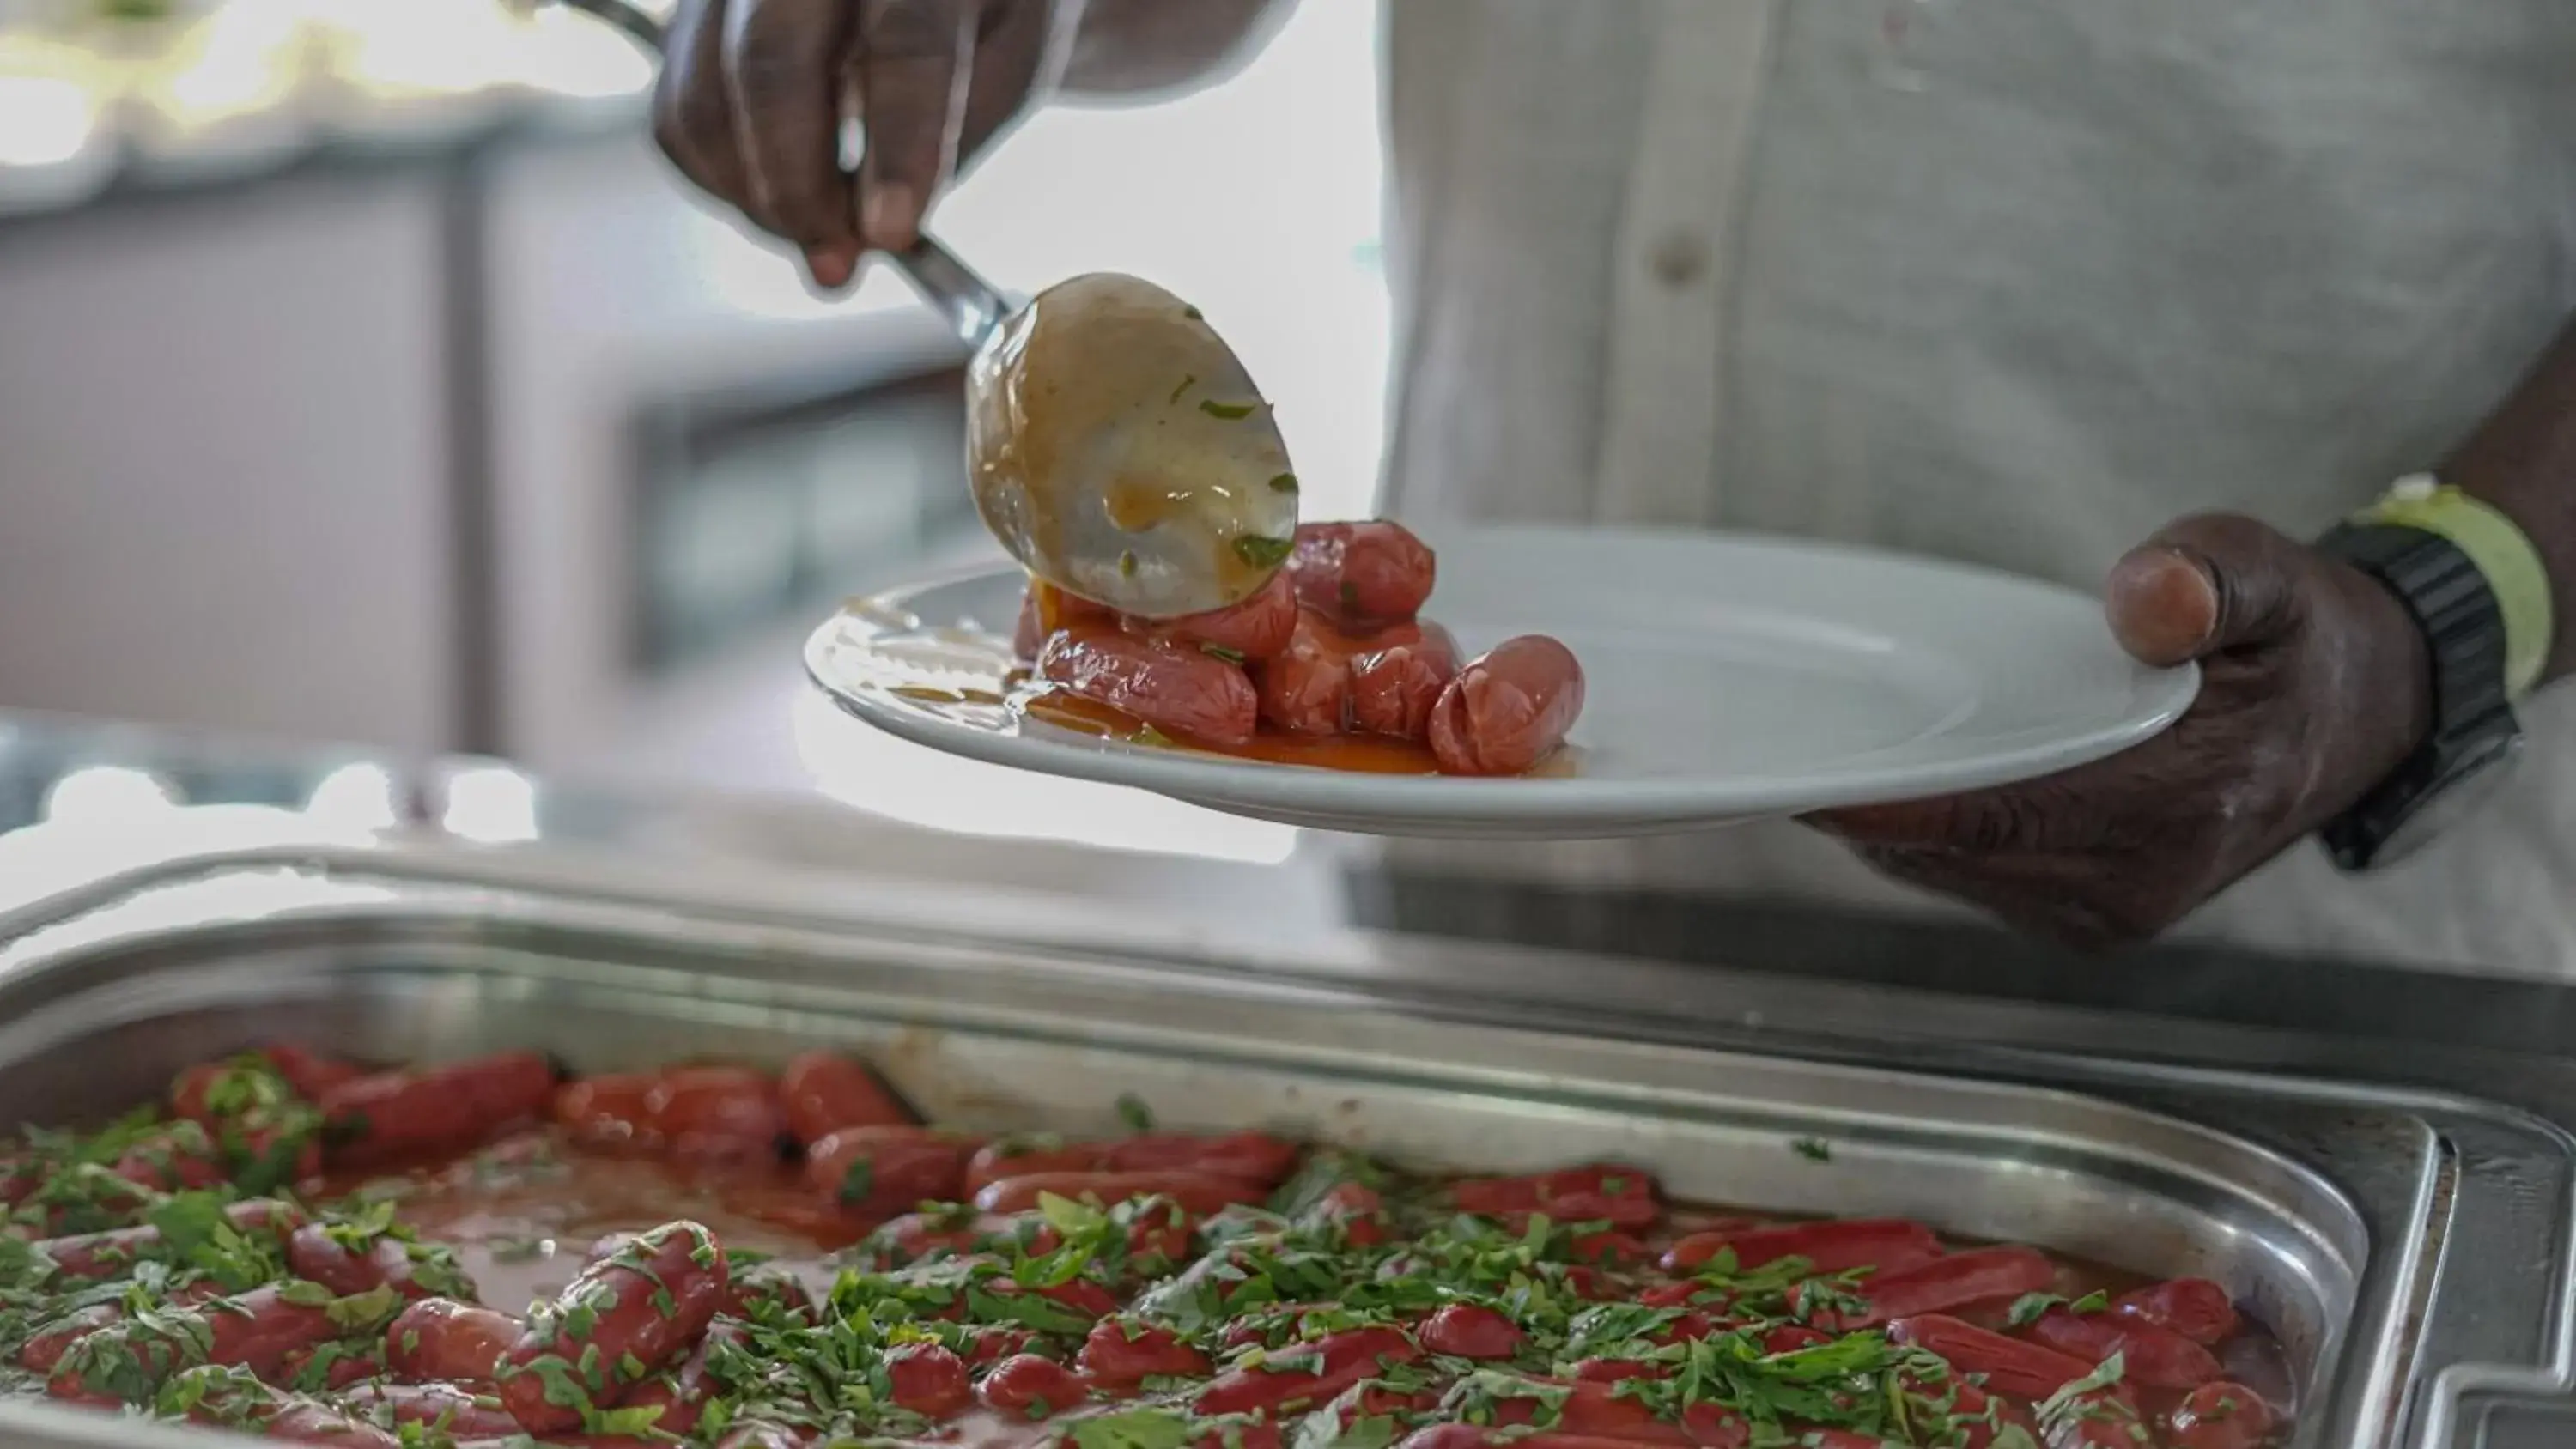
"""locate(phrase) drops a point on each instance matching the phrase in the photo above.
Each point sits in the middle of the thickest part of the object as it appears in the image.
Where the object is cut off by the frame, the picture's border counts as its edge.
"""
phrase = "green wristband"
(2502, 553)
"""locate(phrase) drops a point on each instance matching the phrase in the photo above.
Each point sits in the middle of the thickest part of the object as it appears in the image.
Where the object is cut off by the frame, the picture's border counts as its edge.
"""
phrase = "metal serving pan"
(2330, 1212)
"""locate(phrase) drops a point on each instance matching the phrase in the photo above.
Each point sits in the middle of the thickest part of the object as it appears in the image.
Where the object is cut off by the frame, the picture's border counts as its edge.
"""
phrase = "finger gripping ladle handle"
(975, 308)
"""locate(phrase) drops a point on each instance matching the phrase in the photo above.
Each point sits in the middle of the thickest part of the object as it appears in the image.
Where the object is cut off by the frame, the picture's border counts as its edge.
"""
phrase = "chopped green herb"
(1229, 411)
(1284, 483)
(1814, 1149)
(1134, 1429)
(1230, 656)
(858, 1182)
(1185, 385)
(1131, 1108)
(1261, 552)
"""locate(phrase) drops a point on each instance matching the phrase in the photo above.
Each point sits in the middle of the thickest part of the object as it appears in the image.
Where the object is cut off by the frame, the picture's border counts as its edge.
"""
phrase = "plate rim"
(1273, 790)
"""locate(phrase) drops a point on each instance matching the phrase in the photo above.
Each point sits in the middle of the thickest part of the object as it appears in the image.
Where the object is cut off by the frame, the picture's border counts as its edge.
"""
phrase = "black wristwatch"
(2461, 763)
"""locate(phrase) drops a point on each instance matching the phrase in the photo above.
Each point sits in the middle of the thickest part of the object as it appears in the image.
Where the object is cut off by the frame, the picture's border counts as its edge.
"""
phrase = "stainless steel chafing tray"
(2411, 1250)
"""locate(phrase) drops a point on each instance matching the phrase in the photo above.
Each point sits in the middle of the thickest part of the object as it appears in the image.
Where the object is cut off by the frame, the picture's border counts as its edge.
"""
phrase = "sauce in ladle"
(1118, 448)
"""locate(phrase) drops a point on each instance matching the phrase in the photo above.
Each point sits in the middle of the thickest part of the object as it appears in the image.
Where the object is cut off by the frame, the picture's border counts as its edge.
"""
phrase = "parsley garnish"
(1263, 553)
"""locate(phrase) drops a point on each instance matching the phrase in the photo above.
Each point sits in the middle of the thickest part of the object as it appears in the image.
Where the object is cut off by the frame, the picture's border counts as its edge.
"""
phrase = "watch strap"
(2498, 551)
(2450, 599)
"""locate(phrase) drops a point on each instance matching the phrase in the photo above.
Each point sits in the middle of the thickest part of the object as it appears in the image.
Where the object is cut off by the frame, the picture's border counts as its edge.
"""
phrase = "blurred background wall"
(364, 375)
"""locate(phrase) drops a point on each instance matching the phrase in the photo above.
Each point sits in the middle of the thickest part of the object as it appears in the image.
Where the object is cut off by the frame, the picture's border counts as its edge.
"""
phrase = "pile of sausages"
(1334, 645)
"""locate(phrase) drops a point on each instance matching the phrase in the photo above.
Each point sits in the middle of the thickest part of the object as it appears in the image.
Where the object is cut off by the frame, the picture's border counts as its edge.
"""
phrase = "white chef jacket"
(2009, 281)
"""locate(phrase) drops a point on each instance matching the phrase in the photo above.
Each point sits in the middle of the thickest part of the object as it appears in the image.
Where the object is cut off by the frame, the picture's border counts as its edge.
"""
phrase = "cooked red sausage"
(333, 1366)
(1991, 1416)
(111, 1253)
(1004, 1159)
(929, 1380)
(210, 1093)
(1469, 1330)
(1257, 628)
(309, 1072)
(988, 1346)
(1255, 1155)
(610, 1110)
(1154, 1239)
(1480, 1436)
(400, 1114)
(1081, 1295)
(2196, 1308)
(825, 1091)
(679, 1398)
(1791, 1337)
(716, 1112)
(2157, 1358)
(1305, 688)
(1617, 1370)
(257, 1330)
(1592, 1410)
(2220, 1416)
(1943, 1285)
(1621, 1196)
(458, 1410)
(440, 1340)
(1025, 1386)
(2009, 1364)
(1398, 677)
(768, 1283)
(175, 1157)
(413, 1269)
(46, 1347)
(1336, 1364)
(875, 1172)
(1610, 1248)
(1363, 575)
(613, 1326)
(1118, 1355)
(1196, 1192)
(1177, 689)
(309, 1423)
(1886, 1244)
(1505, 711)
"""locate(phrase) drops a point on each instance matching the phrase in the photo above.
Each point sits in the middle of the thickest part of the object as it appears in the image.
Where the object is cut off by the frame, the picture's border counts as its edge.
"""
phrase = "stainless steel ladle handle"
(975, 308)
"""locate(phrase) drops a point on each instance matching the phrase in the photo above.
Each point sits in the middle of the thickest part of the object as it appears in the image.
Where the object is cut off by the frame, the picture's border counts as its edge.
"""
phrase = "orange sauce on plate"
(1359, 754)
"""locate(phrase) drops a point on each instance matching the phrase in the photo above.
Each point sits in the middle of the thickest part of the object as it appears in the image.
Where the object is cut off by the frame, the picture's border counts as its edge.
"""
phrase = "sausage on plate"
(1176, 688)
(1363, 576)
(1505, 711)
(1254, 629)
(1398, 677)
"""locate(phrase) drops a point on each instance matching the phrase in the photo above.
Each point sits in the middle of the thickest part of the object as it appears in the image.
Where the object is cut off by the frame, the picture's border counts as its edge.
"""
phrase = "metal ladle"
(1115, 445)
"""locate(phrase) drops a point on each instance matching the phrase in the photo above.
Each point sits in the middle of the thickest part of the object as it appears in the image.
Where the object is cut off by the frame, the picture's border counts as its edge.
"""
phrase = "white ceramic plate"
(1729, 679)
